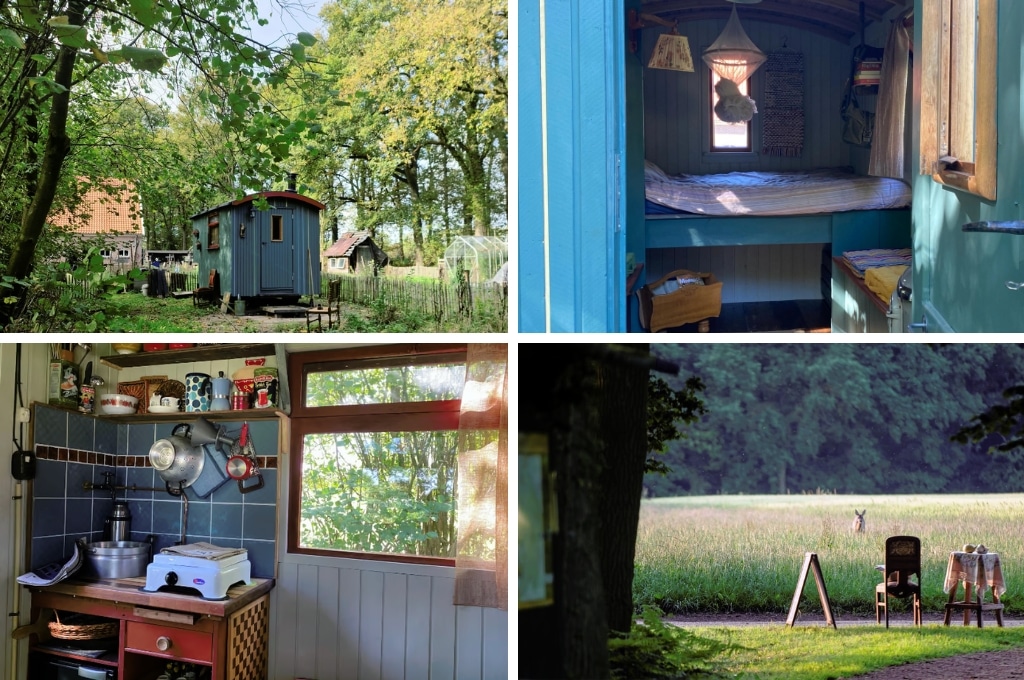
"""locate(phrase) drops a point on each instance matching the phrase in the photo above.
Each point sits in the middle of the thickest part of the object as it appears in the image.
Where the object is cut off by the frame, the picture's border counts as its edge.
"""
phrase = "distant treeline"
(844, 418)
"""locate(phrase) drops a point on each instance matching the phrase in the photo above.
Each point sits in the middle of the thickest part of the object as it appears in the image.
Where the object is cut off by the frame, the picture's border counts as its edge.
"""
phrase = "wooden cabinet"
(229, 637)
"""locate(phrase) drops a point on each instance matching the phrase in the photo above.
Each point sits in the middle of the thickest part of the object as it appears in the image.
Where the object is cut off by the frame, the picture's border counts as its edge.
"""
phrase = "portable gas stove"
(212, 578)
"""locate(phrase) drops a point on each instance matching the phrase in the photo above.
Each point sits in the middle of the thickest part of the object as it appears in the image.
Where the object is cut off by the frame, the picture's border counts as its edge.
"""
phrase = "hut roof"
(265, 194)
(346, 245)
(104, 210)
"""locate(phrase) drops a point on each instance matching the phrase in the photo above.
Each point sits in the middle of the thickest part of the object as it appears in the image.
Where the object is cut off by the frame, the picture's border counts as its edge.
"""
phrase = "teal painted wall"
(571, 240)
(960, 278)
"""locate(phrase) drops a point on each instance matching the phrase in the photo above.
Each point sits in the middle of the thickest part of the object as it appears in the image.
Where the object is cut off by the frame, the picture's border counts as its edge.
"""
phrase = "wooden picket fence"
(440, 300)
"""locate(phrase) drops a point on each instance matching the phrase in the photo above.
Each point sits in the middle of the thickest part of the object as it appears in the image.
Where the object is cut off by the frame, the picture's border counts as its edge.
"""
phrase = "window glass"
(380, 492)
(277, 228)
(385, 385)
(728, 136)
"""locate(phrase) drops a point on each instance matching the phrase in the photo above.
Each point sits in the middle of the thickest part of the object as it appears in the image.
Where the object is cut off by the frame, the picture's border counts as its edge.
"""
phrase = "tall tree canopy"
(853, 418)
(68, 67)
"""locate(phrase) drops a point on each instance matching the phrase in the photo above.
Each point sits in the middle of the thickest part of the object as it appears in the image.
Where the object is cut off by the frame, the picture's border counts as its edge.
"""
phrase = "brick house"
(115, 213)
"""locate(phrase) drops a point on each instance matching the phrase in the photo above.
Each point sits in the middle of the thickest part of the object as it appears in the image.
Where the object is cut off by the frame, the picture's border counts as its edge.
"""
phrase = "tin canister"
(239, 401)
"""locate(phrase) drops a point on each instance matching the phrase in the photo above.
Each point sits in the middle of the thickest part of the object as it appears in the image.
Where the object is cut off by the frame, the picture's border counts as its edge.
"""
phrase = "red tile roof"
(101, 212)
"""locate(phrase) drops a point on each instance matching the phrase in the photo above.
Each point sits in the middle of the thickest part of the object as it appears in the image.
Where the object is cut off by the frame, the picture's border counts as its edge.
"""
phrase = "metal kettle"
(118, 524)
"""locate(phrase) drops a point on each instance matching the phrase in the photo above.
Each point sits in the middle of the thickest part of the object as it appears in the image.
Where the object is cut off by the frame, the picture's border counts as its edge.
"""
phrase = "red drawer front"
(188, 645)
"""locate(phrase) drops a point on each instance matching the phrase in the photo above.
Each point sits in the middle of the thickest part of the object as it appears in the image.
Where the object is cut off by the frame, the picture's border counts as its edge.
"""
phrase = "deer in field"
(858, 522)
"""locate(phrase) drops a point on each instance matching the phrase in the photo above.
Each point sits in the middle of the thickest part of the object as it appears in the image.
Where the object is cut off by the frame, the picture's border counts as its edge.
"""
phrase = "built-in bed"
(836, 207)
(759, 208)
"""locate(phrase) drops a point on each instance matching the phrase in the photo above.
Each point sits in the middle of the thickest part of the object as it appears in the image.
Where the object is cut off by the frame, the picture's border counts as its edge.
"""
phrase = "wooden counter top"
(128, 591)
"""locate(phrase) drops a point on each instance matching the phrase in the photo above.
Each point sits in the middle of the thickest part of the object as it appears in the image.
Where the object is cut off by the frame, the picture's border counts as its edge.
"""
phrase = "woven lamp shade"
(672, 52)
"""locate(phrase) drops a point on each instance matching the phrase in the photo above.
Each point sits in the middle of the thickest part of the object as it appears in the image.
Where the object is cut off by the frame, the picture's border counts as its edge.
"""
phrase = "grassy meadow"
(712, 554)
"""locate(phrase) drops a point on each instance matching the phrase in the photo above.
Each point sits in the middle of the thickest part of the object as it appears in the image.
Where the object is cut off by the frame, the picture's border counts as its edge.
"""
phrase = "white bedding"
(774, 193)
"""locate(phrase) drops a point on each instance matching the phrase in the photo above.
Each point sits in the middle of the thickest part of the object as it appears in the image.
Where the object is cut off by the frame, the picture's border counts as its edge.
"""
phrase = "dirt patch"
(258, 322)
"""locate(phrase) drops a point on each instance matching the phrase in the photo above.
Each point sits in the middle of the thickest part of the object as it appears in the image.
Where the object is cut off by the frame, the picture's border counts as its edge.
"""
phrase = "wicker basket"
(688, 304)
(82, 627)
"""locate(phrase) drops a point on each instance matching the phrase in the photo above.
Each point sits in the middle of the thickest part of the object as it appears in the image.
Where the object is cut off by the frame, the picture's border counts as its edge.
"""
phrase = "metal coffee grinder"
(118, 525)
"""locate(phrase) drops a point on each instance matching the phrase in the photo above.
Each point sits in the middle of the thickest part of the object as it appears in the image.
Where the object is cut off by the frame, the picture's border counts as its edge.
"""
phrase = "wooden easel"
(811, 562)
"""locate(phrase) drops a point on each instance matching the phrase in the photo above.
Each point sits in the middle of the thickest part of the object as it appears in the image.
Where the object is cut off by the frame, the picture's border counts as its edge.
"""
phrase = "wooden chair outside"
(209, 294)
(330, 308)
(902, 561)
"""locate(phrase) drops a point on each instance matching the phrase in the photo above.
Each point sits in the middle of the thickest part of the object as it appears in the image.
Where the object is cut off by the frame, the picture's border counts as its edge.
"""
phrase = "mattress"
(772, 193)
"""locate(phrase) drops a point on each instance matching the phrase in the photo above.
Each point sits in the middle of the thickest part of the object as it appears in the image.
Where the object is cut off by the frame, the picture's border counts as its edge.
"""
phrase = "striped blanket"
(862, 260)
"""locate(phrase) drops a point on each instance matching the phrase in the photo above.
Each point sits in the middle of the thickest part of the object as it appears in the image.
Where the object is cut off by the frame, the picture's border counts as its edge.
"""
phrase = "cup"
(169, 401)
(262, 398)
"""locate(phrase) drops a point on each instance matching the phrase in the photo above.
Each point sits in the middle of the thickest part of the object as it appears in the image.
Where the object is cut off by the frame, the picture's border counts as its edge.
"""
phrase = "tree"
(55, 56)
(593, 404)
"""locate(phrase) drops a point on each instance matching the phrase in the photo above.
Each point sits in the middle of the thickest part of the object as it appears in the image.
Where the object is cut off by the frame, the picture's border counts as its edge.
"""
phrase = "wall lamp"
(672, 51)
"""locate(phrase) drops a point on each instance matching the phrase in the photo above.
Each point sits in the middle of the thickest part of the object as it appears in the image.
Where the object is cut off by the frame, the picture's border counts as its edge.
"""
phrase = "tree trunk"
(623, 420)
(57, 147)
(412, 179)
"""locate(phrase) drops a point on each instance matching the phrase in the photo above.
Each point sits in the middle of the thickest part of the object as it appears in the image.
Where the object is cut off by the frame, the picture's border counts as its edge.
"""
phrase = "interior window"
(958, 94)
(375, 438)
(277, 228)
(728, 136)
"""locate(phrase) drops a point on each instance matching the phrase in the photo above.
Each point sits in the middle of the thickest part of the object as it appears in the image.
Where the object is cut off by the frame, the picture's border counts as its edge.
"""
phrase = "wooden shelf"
(183, 356)
(181, 416)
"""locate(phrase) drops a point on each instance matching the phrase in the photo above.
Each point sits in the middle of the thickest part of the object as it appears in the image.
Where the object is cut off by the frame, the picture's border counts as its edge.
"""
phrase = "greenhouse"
(481, 256)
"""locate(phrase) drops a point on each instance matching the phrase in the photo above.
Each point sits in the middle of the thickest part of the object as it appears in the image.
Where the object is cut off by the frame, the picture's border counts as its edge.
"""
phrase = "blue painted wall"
(62, 511)
(960, 278)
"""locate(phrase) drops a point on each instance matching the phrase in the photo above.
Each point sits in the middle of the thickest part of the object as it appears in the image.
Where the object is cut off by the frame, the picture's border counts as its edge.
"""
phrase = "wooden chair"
(209, 294)
(331, 308)
(902, 560)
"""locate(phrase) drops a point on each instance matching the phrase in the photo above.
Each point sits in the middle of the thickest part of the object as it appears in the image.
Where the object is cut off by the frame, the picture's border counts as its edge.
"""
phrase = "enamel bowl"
(118, 404)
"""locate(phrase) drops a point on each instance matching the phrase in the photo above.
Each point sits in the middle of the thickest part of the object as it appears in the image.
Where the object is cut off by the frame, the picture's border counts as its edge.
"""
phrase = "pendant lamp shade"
(672, 52)
(733, 55)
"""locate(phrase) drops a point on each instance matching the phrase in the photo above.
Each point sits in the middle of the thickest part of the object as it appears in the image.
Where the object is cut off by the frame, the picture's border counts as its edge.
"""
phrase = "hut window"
(277, 228)
(958, 94)
(213, 232)
(728, 137)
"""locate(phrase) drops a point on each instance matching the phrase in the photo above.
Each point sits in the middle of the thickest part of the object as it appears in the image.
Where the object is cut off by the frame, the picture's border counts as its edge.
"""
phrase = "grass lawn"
(802, 653)
(743, 553)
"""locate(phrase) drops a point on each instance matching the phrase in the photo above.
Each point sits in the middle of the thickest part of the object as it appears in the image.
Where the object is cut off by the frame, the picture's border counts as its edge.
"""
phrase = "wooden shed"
(355, 253)
(272, 254)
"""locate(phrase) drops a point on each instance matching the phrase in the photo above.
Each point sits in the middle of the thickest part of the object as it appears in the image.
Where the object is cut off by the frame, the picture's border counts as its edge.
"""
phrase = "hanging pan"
(177, 462)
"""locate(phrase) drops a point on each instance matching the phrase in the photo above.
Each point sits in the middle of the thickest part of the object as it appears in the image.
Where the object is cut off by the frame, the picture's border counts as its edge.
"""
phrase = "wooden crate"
(689, 304)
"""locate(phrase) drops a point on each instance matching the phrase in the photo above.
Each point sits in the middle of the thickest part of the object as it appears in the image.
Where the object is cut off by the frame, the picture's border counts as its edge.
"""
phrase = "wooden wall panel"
(375, 623)
(749, 273)
(676, 118)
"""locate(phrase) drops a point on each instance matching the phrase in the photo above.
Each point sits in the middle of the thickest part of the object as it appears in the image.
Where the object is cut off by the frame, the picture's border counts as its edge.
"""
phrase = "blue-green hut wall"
(960, 278)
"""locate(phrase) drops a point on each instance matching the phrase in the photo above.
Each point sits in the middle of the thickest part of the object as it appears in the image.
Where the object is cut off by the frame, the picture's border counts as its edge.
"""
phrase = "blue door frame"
(577, 173)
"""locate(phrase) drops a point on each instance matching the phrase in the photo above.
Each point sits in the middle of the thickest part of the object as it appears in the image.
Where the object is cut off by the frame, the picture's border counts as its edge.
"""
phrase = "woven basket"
(688, 304)
(82, 627)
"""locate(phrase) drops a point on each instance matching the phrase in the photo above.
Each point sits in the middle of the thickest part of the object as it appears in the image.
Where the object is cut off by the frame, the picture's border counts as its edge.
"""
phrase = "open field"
(743, 553)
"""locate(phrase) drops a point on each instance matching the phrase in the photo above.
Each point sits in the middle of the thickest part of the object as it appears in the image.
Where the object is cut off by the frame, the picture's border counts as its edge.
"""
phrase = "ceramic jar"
(197, 392)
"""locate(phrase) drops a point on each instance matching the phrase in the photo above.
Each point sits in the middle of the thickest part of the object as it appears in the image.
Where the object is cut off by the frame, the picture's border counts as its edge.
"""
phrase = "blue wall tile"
(142, 516)
(261, 555)
(51, 479)
(266, 495)
(51, 427)
(226, 521)
(46, 550)
(79, 519)
(167, 517)
(77, 475)
(81, 432)
(140, 439)
(259, 521)
(48, 517)
(264, 436)
(143, 477)
(106, 436)
(199, 519)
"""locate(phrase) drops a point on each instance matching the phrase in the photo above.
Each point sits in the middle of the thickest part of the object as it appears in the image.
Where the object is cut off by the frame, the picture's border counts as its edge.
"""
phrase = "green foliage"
(665, 408)
(743, 553)
(654, 649)
(856, 418)
(1001, 424)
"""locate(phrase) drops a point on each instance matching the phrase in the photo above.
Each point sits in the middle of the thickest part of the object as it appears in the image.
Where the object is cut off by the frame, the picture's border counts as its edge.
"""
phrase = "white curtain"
(481, 560)
(890, 113)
